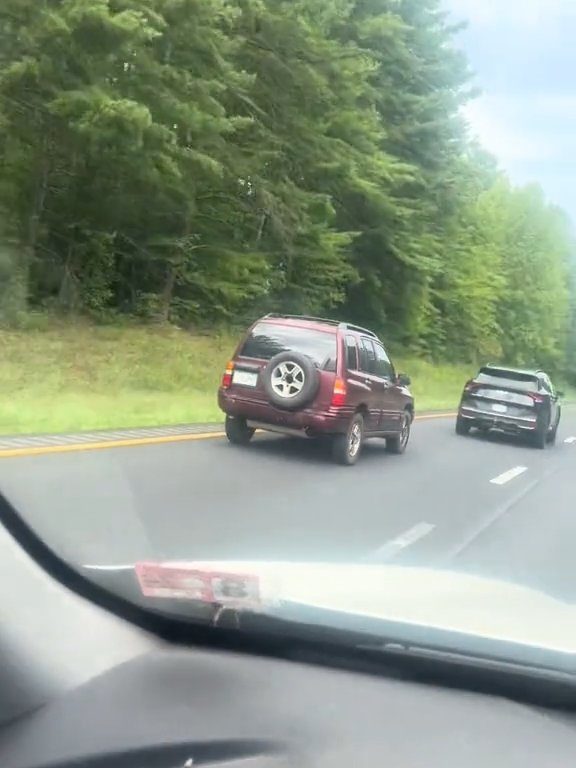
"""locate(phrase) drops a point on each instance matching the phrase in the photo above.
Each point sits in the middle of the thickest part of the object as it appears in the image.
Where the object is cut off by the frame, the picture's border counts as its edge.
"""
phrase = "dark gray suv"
(510, 400)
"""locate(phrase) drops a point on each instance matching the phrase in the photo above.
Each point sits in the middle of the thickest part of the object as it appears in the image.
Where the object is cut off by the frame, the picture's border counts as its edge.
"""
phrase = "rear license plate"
(245, 378)
(499, 408)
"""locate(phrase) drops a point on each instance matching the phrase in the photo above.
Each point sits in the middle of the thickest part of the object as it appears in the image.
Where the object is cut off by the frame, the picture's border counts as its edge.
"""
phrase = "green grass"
(80, 377)
(75, 378)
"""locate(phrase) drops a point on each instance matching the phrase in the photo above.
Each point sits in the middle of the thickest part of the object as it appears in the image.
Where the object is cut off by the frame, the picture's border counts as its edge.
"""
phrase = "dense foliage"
(208, 160)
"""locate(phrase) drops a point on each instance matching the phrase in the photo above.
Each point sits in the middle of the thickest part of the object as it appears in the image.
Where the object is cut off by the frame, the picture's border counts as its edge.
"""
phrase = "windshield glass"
(288, 310)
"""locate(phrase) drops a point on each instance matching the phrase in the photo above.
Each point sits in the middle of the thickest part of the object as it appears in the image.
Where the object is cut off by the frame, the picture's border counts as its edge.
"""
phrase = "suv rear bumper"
(480, 418)
(308, 422)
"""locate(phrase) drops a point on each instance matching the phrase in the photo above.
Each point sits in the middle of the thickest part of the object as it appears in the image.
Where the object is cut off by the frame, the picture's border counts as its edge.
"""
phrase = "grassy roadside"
(83, 377)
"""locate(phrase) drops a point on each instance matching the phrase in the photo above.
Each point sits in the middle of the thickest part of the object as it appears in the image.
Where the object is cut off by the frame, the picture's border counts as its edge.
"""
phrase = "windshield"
(288, 310)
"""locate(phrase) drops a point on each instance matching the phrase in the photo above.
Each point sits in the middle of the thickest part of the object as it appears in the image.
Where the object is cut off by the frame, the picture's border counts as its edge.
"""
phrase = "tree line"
(205, 161)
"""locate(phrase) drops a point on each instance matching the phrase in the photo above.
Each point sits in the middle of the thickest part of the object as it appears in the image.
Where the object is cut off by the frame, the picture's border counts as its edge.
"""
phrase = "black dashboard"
(178, 708)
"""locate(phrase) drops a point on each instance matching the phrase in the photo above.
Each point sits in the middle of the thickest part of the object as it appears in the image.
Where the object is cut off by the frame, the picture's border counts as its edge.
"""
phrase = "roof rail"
(358, 329)
(343, 326)
(303, 317)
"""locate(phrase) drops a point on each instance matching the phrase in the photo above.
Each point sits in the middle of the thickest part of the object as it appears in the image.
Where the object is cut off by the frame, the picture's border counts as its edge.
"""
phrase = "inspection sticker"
(188, 582)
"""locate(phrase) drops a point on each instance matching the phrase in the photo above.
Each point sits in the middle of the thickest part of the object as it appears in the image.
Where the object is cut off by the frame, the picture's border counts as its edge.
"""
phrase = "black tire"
(551, 436)
(540, 436)
(462, 427)
(345, 448)
(237, 431)
(398, 443)
(300, 372)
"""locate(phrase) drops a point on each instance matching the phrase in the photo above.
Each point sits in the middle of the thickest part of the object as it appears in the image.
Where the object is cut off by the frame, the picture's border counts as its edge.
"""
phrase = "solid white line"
(505, 477)
(109, 567)
(570, 440)
(394, 546)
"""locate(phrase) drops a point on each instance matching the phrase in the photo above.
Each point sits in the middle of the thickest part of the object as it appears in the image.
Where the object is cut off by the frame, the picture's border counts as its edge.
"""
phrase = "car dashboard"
(177, 708)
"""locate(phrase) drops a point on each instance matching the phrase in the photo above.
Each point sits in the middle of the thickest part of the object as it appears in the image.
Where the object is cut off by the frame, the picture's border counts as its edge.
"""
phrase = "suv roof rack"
(335, 323)
(358, 329)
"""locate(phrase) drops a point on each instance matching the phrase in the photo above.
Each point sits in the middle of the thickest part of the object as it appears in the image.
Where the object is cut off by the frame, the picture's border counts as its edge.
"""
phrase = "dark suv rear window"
(267, 340)
(513, 379)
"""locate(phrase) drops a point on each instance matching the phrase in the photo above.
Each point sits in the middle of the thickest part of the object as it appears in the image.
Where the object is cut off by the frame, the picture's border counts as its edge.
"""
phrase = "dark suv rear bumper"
(476, 417)
(265, 416)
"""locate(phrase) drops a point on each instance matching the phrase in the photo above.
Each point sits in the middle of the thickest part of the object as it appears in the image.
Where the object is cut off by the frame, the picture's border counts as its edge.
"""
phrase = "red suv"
(314, 377)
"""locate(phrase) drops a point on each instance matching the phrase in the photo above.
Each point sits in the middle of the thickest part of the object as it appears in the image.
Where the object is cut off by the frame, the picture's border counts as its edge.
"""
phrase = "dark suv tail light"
(536, 398)
(227, 377)
(339, 393)
(470, 386)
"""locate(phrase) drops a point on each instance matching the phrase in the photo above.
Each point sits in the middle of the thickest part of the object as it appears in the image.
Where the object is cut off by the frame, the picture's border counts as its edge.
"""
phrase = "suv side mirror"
(403, 380)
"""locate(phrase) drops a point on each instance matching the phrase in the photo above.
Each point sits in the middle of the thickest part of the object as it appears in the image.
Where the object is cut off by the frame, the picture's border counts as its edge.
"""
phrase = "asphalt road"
(283, 499)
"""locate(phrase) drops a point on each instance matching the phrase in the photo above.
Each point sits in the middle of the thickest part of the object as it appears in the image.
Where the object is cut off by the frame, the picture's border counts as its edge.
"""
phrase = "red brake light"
(227, 377)
(339, 393)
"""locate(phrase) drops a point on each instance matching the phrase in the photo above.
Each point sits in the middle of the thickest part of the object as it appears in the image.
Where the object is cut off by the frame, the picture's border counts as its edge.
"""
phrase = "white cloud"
(503, 137)
(511, 126)
(517, 13)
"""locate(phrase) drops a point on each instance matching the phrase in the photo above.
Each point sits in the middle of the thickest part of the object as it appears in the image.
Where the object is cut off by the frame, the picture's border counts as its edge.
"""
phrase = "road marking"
(109, 567)
(394, 546)
(570, 440)
(505, 477)
(69, 443)
(425, 416)
(491, 520)
(43, 449)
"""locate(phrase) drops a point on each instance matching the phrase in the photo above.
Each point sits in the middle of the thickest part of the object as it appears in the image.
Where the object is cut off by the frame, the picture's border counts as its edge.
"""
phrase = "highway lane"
(283, 498)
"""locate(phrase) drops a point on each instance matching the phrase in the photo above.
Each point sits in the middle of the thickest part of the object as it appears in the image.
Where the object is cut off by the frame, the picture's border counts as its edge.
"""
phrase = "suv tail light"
(536, 398)
(339, 394)
(470, 386)
(227, 377)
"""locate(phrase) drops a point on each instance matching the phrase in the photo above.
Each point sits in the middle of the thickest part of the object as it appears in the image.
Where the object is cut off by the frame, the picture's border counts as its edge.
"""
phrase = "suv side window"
(367, 357)
(383, 365)
(351, 354)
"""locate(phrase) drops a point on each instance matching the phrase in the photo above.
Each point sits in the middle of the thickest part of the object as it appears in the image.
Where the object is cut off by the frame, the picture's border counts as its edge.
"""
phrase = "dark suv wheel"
(237, 431)
(551, 437)
(462, 427)
(540, 436)
(346, 448)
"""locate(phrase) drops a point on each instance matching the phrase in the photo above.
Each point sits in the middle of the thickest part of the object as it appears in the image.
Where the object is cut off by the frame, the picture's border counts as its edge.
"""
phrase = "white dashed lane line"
(392, 547)
(570, 440)
(510, 474)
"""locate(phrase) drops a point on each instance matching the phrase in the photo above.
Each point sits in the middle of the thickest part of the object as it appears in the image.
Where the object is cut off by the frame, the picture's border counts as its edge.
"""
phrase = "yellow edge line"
(425, 416)
(72, 447)
(41, 450)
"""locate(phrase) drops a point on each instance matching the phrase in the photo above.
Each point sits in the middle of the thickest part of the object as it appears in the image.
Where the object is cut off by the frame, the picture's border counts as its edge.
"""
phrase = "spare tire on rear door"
(291, 380)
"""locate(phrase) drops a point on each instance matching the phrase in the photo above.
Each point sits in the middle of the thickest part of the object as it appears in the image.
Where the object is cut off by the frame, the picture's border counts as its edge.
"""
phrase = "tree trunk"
(167, 294)
(32, 228)
(68, 293)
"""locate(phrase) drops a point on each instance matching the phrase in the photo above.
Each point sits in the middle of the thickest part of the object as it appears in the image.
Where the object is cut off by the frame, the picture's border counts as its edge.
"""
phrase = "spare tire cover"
(291, 380)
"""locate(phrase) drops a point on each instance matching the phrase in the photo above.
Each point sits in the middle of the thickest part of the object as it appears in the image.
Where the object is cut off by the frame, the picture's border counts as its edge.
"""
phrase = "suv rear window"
(504, 378)
(267, 340)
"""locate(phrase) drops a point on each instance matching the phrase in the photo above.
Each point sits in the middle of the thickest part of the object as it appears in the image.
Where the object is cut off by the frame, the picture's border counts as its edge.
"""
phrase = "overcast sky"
(524, 56)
